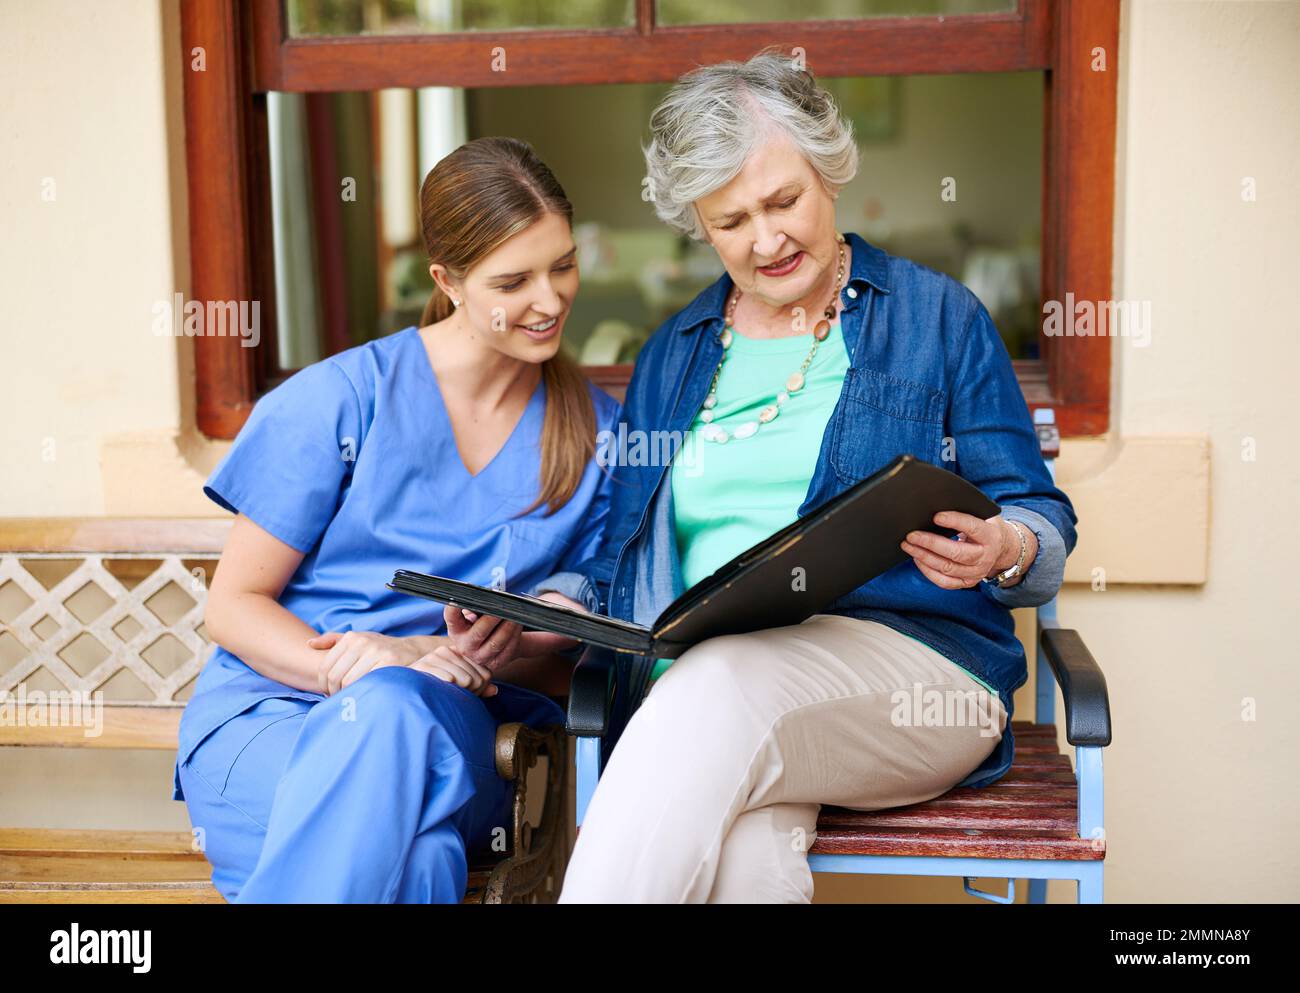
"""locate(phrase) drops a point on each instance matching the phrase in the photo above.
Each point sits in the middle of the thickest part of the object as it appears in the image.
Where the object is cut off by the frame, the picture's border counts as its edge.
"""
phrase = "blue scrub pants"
(378, 794)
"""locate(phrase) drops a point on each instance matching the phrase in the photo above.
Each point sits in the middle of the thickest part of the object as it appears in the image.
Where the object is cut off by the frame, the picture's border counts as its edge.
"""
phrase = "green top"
(728, 497)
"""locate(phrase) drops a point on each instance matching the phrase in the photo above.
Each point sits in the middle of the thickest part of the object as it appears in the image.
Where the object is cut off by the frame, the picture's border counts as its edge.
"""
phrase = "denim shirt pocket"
(883, 416)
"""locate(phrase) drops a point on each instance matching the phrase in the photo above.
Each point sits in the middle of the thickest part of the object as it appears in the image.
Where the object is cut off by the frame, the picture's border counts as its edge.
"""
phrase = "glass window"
(354, 17)
(950, 177)
(671, 12)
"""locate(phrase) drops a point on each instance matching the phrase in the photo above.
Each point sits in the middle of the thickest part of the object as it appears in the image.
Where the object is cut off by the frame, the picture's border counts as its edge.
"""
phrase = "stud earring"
(455, 302)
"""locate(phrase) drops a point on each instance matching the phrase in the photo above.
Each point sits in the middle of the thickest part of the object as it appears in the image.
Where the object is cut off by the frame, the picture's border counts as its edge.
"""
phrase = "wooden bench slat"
(152, 728)
(126, 893)
(1035, 747)
(42, 865)
(74, 842)
(1025, 796)
(66, 859)
(938, 815)
(954, 844)
(105, 868)
(1023, 778)
(1041, 760)
(1030, 813)
(102, 535)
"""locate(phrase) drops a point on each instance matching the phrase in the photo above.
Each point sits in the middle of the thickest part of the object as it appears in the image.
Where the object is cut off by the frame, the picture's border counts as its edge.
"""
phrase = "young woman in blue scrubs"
(339, 745)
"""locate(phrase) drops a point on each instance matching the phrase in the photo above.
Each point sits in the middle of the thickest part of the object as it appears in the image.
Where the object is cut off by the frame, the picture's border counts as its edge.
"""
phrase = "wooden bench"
(1042, 820)
(116, 606)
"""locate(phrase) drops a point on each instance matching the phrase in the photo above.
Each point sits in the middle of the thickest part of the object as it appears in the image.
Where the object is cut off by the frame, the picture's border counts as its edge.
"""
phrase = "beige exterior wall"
(1177, 504)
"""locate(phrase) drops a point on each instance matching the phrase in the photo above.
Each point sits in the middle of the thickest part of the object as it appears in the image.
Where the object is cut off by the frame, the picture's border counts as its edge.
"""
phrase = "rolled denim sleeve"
(575, 579)
(577, 587)
(591, 533)
(997, 450)
(589, 581)
(1043, 578)
(569, 582)
(574, 585)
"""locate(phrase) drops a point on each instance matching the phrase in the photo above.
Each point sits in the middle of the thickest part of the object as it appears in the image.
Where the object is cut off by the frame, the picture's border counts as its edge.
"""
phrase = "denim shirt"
(929, 375)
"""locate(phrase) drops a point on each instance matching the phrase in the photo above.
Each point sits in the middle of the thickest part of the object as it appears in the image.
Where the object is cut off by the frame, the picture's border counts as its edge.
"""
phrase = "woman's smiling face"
(773, 225)
(517, 297)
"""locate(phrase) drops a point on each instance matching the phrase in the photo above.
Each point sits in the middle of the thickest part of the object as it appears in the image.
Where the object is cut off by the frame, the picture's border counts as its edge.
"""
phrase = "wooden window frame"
(247, 52)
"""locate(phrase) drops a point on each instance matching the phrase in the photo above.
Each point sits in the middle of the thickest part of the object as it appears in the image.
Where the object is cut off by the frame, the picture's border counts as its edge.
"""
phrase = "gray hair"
(715, 116)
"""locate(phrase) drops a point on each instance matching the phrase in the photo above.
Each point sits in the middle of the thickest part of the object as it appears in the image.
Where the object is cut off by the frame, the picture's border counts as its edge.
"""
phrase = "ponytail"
(568, 432)
(438, 308)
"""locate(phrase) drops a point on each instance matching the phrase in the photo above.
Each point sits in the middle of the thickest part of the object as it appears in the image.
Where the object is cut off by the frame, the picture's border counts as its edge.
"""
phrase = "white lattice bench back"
(108, 606)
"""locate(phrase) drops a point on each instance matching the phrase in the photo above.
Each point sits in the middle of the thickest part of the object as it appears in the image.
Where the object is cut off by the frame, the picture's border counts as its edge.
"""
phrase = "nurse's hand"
(449, 665)
(487, 640)
(347, 656)
(532, 644)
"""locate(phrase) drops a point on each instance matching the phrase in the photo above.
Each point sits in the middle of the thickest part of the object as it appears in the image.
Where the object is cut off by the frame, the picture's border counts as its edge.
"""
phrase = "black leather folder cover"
(784, 579)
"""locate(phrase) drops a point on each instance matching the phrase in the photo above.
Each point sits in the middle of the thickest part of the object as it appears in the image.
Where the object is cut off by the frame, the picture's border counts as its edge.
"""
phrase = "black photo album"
(784, 579)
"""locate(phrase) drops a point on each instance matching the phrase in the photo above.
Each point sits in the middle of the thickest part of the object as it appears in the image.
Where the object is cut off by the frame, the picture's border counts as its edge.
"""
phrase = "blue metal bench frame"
(1061, 659)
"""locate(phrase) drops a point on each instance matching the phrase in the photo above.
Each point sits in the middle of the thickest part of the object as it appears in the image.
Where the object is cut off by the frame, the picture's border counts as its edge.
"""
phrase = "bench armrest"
(1083, 687)
(591, 693)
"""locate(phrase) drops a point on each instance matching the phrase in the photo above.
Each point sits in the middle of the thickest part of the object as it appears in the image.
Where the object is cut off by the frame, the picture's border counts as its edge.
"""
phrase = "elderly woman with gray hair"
(811, 362)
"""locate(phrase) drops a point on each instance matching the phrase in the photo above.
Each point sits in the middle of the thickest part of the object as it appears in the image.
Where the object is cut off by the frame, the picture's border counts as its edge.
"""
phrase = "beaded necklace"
(795, 382)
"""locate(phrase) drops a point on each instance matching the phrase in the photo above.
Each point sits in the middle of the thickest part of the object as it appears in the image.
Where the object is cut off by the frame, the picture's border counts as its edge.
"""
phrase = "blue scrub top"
(353, 462)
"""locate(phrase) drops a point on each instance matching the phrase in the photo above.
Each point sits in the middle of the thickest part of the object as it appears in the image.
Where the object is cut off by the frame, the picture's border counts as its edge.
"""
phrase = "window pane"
(358, 17)
(950, 177)
(740, 11)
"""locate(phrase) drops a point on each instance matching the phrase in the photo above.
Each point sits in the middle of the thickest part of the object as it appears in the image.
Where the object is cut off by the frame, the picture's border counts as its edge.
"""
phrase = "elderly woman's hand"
(981, 549)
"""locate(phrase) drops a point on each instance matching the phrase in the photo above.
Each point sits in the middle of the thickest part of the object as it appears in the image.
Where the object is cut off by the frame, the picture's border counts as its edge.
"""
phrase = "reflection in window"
(950, 177)
(358, 17)
(670, 12)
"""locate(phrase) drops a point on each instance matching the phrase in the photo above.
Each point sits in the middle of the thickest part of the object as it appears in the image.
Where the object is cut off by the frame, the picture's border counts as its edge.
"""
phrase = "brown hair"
(484, 192)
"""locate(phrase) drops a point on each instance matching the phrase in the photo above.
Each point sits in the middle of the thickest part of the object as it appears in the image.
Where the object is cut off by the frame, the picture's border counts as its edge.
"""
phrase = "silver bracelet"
(1002, 578)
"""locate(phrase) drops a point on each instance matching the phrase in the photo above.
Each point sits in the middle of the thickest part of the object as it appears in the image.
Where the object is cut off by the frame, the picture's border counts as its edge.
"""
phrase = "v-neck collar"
(528, 414)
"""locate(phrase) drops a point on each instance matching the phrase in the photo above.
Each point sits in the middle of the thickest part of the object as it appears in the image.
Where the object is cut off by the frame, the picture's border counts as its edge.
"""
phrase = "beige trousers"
(713, 791)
